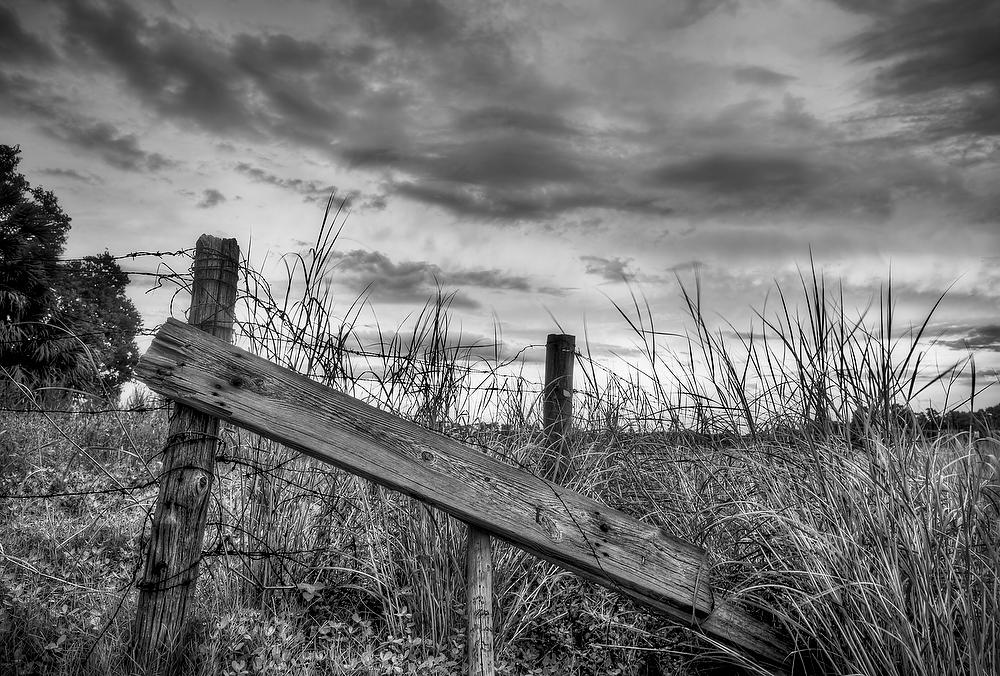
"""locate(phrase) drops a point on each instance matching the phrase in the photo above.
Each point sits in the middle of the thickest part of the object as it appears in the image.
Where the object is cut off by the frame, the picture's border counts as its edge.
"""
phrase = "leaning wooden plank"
(559, 525)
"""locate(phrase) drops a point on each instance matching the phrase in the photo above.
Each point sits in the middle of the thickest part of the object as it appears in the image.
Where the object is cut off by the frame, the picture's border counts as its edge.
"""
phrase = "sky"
(546, 159)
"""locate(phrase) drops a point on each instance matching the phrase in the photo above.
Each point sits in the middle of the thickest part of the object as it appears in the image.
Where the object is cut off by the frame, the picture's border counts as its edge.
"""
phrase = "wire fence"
(280, 523)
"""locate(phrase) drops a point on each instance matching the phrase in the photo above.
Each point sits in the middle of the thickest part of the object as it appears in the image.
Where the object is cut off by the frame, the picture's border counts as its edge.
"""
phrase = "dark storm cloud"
(762, 77)
(416, 281)
(526, 203)
(310, 190)
(178, 72)
(502, 144)
(760, 157)
(657, 15)
(119, 150)
(445, 108)
(939, 62)
(273, 85)
(760, 181)
(17, 45)
(410, 275)
(728, 173)
(842, 179)
(493, 118)
(285, 70)
(508, 161)
(268, 53)
(609, 269)
(499, 174)
(210, 198)
(986, 338)
(427, 21)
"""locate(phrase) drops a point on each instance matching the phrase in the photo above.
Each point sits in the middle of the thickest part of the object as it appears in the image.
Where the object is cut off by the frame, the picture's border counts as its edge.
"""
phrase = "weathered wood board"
(559, 525)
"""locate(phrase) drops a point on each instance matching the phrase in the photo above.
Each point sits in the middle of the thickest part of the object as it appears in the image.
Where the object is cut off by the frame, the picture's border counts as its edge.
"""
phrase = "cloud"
(211, 198)
(984, 338)
(496, 160)
(449, 106)
(762, 77)
(29, 97)
(869, 6)
(72, 174)
(492, 118)
(312, 191)
(609, 269)
(742, 173)
(119, 150)
(529, 203)
(425, 21)
(54, 114)
(416, 281)
(181, 73)
(441, 101)
(761, 181)
(19, 46)
(834, 177)
(939, 67)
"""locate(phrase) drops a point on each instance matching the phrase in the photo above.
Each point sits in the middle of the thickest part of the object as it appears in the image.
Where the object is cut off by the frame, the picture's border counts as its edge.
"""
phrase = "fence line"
(564, 527)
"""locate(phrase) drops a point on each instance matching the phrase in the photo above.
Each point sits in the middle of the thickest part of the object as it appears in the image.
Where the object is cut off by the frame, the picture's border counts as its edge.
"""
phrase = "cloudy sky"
(535, 154)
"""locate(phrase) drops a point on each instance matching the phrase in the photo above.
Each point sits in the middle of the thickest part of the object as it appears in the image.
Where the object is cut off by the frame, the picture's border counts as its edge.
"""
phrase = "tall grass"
(873, 539)
(788, 449)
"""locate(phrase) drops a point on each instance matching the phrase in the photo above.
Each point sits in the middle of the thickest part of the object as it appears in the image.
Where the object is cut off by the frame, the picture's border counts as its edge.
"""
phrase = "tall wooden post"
(170, 569)
(557, 406)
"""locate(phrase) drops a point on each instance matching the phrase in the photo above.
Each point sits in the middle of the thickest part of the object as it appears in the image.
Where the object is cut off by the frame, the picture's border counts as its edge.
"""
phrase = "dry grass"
(794, 460)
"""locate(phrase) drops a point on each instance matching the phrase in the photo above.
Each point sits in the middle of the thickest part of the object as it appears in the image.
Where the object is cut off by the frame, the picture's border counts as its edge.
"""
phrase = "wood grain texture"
(578, 533)
(479, 605)
(170, 569)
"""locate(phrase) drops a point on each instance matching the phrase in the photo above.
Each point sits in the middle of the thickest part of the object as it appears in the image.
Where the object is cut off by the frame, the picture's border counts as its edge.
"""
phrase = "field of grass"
(795, 462)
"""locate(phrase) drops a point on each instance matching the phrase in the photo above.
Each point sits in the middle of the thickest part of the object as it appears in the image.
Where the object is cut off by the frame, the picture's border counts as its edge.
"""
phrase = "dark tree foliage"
(65, 328)
(32, 235)
(93, 307)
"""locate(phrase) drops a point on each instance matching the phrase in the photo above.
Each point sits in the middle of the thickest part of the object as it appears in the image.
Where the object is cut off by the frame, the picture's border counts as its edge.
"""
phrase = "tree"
(32, 236)
(93, 307)
(63, 326)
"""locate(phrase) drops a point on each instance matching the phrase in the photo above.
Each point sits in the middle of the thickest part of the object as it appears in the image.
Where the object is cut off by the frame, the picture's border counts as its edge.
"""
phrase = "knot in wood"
(549, 526)
(426, 456)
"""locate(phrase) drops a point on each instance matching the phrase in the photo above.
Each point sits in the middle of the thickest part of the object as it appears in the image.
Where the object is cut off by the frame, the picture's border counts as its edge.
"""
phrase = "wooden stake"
(479, 606)
(171, 566)
(557, 407)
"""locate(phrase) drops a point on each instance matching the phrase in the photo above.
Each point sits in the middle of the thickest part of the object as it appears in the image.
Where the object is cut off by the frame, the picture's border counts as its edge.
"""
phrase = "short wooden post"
(479, 605)
(170, 570)
(557, 406)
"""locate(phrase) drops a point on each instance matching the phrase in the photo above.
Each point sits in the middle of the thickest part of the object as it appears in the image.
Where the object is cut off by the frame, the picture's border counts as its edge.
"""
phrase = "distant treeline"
(983, 420)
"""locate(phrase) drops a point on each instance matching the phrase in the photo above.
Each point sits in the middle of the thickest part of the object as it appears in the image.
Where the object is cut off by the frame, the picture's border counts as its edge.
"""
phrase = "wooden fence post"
(557, 406)
(479, 605)
(557, 417)
(170, 570)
